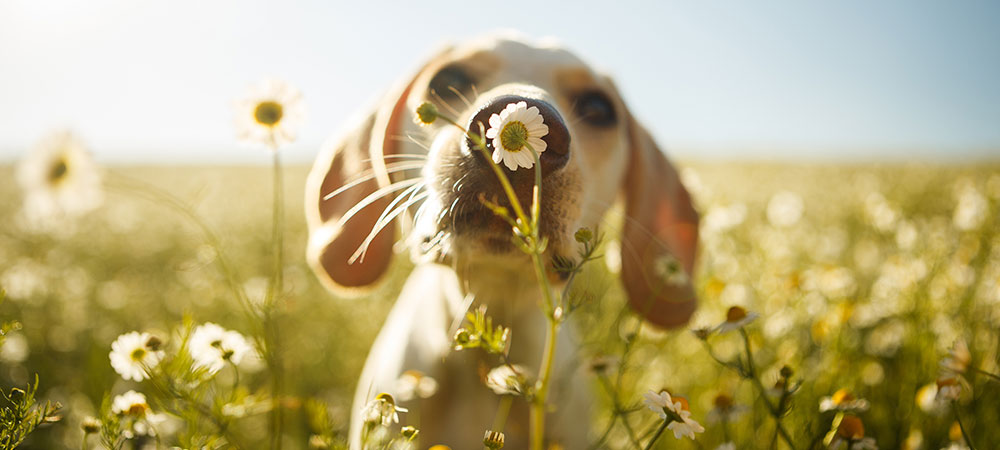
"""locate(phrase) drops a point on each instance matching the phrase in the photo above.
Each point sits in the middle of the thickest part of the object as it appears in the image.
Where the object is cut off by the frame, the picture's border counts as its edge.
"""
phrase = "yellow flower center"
(138, 354)
(841, 396)
(514, 136)
(735, 314)
(723, 402)
(137, 409)
(268, 113)
(58, 171)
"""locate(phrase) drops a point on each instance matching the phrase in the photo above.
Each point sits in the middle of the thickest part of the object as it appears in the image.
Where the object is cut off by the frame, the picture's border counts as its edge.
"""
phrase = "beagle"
(387, 165)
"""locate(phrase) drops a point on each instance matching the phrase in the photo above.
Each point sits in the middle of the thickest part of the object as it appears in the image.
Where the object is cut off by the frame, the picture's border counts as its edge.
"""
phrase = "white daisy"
(210, 346)
(736, 318)
(843, 400)
(60, 180)
(674, 409)
(383, 410)
(413, 384)
(132, 403)
(958, 359)
(131, 355)
(270, 114)
(514, 127)
(507, 380)
(948, 389)
(685, 427)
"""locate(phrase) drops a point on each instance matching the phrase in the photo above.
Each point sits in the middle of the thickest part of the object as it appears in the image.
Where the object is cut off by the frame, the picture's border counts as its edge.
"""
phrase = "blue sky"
(153, 82)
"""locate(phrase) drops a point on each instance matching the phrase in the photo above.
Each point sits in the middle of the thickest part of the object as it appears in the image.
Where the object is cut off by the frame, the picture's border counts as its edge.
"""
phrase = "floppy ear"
(335, 231)
(660, 236)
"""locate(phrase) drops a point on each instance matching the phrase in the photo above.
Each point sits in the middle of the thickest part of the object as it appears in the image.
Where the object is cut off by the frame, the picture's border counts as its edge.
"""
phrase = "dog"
(387, 164)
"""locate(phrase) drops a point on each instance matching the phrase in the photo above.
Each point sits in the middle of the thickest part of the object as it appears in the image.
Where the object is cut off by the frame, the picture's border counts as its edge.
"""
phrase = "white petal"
(537, 144)
(508, 161)
(497, 155)
(495, 121)
(537, 130)
(492, 133)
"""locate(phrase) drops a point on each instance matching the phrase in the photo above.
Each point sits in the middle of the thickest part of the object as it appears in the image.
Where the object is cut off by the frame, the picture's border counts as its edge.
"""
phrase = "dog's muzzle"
(552, 159)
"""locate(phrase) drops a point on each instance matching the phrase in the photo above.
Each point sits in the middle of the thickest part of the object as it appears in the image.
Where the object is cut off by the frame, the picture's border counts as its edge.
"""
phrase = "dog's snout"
(556, 152)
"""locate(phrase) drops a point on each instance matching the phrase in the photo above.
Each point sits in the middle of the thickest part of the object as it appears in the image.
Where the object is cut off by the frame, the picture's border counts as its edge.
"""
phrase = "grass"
(842, 303)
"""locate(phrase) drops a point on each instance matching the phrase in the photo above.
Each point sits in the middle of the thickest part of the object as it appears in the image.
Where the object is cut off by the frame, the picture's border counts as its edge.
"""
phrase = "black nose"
(556, 151)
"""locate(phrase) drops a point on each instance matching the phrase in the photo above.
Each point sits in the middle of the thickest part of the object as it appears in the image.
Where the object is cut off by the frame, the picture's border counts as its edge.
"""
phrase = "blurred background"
(843, 157)
(779, 79)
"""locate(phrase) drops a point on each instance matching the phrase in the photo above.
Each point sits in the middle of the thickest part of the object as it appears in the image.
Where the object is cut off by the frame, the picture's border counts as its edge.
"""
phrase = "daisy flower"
(382, 409)
(515, 129)
(736, 318)
(413, 384)
(132, 355)
(850, 435)
(676, 412)
(958, 359)
(507, 380)
(270, 114)
(948, 389)
(59, 179)
(843, 400)
(131, 403)
(210, 346)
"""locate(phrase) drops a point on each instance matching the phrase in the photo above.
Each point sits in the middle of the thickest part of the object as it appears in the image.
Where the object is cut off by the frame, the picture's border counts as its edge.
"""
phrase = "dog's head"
(596, 151)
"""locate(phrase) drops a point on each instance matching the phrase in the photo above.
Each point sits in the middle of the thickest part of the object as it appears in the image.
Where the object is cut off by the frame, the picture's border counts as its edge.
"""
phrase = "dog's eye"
(595, 108)
(449, 80)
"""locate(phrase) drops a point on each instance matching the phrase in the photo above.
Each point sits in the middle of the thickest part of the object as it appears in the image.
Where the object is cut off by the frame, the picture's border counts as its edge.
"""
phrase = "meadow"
(864, 277)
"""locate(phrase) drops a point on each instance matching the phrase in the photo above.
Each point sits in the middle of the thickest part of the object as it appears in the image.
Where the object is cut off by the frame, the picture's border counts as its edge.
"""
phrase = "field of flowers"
(867, 297)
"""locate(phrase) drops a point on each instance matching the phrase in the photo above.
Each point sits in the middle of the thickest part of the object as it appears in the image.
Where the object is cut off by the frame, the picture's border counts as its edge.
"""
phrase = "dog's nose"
(556, 152)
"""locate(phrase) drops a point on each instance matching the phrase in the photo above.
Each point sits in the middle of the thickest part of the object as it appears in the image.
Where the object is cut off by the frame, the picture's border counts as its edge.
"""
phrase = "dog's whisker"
(409, 137)
(411, 191)
(363, 248)
(370, 174)
(444, 103)
(374, 196)
(460, 96)
(400, 156)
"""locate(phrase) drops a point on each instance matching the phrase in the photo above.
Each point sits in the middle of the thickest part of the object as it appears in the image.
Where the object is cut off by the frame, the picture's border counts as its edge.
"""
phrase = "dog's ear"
(660, 236)
(335, 230)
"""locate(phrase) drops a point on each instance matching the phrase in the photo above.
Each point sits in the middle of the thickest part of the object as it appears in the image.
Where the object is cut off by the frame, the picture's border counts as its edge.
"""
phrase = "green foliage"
(20, 416)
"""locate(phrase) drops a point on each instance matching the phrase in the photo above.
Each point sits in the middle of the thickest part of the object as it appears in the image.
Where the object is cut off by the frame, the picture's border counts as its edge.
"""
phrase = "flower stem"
(752, 374)
(961, 426)
(990, 375)
(270, 321)
(659, 431)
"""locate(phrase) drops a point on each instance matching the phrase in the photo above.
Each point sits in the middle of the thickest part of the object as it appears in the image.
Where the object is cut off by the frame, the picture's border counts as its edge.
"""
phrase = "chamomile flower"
(850, 435)
(725, 409)
(736, 318)
(130, 403)
(948, 389)
(415, 384)
(382, 410)
(60, 180)
(211, 346)
(676, 411)
(132, 355)
(958, 359)
(843, 400)
(515, 129)
(270, 114)
(507, 380)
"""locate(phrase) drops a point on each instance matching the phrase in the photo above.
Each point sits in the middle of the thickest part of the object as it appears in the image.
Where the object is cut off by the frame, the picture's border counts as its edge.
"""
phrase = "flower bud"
(90, 425)
(493, 439)
(427, 113)
(583, 235)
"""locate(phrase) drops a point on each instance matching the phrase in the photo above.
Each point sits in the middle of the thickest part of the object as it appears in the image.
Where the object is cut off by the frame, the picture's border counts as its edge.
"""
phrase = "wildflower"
(382, 409)
(270, 114)
(702, 333)
(843, 400)
(948, 388)
(463, 338)
(514, 129)
(493, 440)
(131, 403)
(958, 359)
(785, 209)
(90, 425)
(211, 346)
(724, 409)
(676, 412)
(414, 383)
(850, 435)
(736, 317)
(131, 357)
(507, 380)
(669, 270)
(427, 113)
(60, 180)
(408, 432)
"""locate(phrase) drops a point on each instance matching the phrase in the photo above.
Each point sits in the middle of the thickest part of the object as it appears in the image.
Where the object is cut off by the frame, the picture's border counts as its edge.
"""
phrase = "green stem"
(752, 373)
(961, 426)
(619, 410)
(277, 286)
(502, 412)
(659, 431)
(991, 375)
